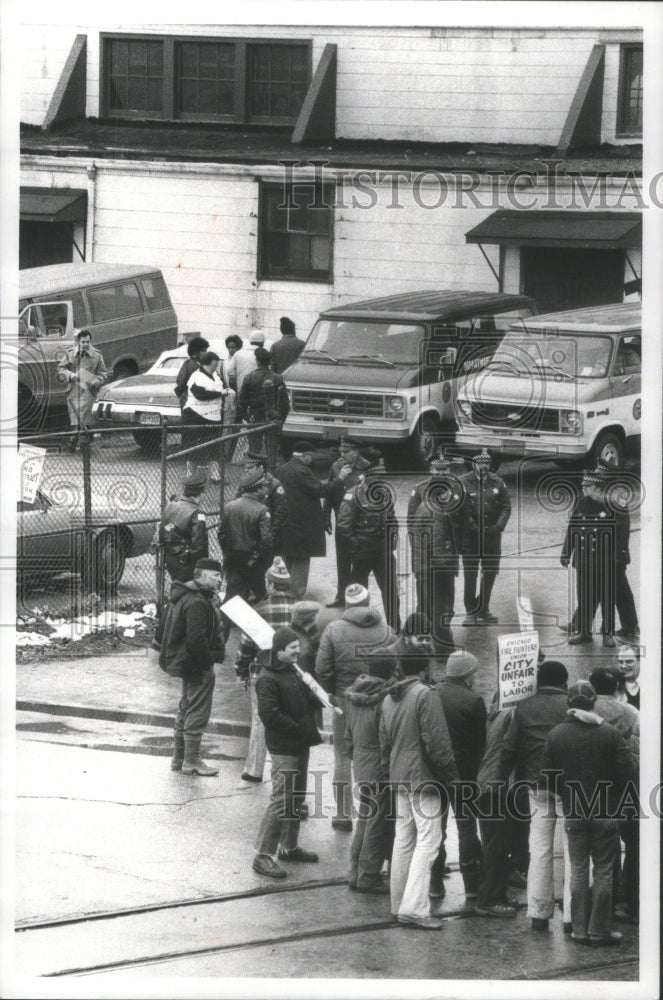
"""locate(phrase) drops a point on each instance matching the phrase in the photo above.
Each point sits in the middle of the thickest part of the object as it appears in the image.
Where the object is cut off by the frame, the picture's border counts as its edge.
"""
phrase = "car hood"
(141, 389)
(532, 392)
(356, 375)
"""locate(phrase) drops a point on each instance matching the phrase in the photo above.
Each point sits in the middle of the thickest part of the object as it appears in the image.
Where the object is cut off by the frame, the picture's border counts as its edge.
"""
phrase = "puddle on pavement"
(48, 727)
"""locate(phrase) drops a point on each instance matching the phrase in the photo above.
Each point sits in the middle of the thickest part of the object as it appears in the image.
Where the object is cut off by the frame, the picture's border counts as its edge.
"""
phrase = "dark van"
(388, 370)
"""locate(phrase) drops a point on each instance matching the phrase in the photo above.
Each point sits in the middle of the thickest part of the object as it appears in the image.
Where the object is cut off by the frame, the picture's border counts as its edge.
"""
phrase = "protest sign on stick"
(517, 660)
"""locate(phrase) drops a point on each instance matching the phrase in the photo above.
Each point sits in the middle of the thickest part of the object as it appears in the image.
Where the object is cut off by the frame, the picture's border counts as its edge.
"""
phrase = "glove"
(564, 561)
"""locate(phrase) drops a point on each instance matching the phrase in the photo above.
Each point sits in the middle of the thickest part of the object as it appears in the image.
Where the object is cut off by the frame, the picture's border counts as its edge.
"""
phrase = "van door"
(46, 331)
(626, 384)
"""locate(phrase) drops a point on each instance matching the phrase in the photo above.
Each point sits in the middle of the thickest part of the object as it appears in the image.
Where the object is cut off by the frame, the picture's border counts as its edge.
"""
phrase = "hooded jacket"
(587, 750)
(345, 645)
(286, 708)
(414, 739)
(189, 636)
(363, 703)
(465, 712)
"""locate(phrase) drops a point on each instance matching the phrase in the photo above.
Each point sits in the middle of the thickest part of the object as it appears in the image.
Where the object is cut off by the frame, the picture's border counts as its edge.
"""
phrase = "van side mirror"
(448, 357)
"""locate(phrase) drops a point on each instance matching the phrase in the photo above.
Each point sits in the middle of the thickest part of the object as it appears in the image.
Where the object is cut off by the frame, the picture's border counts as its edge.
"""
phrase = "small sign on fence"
(31, 460)
(517, 662)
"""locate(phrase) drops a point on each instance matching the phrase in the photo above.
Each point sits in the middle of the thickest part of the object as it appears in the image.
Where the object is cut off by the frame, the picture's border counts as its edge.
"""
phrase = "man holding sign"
(84, 371)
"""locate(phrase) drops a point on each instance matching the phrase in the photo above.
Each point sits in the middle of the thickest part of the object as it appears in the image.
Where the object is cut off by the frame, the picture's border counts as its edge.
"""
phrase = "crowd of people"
(409, 751)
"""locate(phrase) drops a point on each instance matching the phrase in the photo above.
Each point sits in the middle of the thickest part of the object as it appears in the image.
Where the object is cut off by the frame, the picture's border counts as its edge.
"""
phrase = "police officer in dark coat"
(595, 540)
(285, 351)
(617, 497)
(349, 455)
(183, 530)
(439, 468)
(486, 511)
(276, 501)
(304, 533)
(245, 537)
(368, 523)
(263, 399)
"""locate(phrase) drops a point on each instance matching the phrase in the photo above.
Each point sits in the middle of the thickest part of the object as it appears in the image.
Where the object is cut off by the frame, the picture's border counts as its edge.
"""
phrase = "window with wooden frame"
(629, 110)
(296, 232)
(180, 78)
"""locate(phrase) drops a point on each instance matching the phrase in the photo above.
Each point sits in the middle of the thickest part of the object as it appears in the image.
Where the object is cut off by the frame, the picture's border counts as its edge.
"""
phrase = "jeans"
(280, 823)
(416, 844)
(591, 913)
(195, 705)
(545, 811)
(342, 764)
(374, 835)
(255, 759)
(494, 840)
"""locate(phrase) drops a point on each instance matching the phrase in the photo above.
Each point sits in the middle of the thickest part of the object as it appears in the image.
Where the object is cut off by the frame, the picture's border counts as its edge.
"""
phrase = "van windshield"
(357, 341)
(553, 357)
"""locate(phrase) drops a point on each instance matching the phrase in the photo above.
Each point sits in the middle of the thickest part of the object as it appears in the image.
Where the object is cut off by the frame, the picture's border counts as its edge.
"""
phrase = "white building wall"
(483, 85)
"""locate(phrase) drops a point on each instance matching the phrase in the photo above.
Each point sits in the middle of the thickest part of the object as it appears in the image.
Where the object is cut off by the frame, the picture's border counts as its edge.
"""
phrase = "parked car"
(52, 539)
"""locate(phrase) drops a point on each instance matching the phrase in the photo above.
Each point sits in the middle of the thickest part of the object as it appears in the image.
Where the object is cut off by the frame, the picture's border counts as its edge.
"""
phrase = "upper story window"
(203, 79)
(629, 114)
(296, 232)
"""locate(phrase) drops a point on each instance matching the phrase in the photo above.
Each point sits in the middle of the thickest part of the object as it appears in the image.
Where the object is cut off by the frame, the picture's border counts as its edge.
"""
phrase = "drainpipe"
(89, 225)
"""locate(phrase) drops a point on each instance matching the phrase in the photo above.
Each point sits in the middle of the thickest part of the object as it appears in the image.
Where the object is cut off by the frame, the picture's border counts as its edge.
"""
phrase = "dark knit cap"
(213, 564)
(381, 666)
(286, 325)
(283, 637)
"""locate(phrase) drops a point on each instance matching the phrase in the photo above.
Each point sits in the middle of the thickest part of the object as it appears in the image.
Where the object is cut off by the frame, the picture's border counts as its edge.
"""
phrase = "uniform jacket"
(434, 540)
(587, 750)
(263, 397)
(426, 491)
(465, 712)
(366, 518)
(346, 643)
(184, 374)
(189, 636)
(486, 508)
(414, 738)
(533, 718)
(184, 535)
(596, 531)
(277, 506)
(285, 352)
(333, 502)
(246, 527)
(286, 708)
(304, 533)
(363, 703)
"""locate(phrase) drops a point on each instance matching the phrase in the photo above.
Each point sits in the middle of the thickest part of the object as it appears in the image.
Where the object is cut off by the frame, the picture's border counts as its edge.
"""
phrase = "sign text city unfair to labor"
(517, 658)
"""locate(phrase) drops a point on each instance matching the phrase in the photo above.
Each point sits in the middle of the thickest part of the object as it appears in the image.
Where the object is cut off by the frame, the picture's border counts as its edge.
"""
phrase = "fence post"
(87, 482)
(160, 561)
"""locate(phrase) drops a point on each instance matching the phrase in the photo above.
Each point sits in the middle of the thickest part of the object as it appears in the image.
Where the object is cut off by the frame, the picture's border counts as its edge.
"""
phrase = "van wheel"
(423, 443)
(149, 442)
(608, 450)
(123, 370)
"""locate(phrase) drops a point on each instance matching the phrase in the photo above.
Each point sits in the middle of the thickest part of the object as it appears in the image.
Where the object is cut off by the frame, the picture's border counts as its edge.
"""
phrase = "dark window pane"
(320, 253)
(118, 95)
(260, 62)
(119, 57)
(280, 63)
(155, 58)
(275, 249)
(207, 97)
(300, 258)
(114, 302)
(299, 63)
(137, 94)
(318, 221)
(156, 293)
(137, 57)
(226, 56)
(189, 55)
(295, 241)
(260, 99)
(297, 99)
(226, 98)
(189, 98)
(280, 103)
(154, 95)
(208, 62)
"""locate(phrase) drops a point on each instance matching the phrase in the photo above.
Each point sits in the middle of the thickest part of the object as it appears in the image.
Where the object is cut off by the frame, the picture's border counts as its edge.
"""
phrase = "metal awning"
(53, 204)
(584, 230)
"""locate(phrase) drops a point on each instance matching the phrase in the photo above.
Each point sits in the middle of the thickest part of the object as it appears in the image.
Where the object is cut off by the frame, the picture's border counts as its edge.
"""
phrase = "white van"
(565, 385)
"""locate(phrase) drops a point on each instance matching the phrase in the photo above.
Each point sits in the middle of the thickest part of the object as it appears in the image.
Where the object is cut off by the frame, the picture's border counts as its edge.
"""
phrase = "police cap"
(196, 479)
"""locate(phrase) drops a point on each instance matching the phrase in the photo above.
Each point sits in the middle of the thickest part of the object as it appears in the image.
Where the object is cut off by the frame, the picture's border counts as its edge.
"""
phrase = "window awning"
(584, 230)
(53, 204)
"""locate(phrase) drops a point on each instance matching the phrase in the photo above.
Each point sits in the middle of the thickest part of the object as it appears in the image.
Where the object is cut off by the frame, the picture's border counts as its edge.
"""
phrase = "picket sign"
(517, 661)
(31, 460)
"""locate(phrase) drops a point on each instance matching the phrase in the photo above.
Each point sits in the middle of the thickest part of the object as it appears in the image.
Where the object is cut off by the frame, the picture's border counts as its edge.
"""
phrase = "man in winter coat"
(84, 371)
(441, 489)
(374, 834)
(285, 351)
(345, 646)
(189, 639)
(590, 753)
(416, 752)
(486, 511)
(533, 718)
(415, 640)
(183, 529)
(245, 537)
(368, 525)
(263, 399)
(349, 455)
(276, 610)
(304, 532)
(465, 713)
(276, 501)
(287, 710)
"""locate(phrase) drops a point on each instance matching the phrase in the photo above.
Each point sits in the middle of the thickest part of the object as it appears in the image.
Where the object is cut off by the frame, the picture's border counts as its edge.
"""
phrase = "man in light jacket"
(416, 751)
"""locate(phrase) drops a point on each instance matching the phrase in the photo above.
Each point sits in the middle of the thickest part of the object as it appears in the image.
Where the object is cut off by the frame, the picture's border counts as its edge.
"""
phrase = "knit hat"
(196, 479)
(256, 337)
(302, 610)
(416, 624)
(355, 594)
(300, 447)
(278, 572)
(286, 325)
(283, 637)
(212, 564)
(252, 480)
(581, 695)
(381, 666)
(462, 664)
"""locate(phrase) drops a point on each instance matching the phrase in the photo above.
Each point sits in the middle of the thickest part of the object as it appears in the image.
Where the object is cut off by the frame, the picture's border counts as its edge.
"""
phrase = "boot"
(178, 753)
(192, 763)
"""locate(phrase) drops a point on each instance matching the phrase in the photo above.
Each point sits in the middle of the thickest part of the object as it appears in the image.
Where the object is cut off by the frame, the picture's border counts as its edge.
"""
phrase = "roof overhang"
(53, 204)
(584, 230)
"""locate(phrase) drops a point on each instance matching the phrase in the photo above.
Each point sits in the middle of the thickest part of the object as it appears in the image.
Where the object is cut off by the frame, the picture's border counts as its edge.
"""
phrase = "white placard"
(517, 662)
(249, 621)
(31, 460)
(525, 614)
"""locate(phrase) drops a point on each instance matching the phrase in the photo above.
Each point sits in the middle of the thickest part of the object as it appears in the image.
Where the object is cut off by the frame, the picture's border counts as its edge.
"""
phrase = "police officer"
(245, 537)
(594, 543)
(263, 399)
(617, 497)
(486, 511)
(367, 522)
(349, 455)
(439, 468)
(276, 499)
(183, 530)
